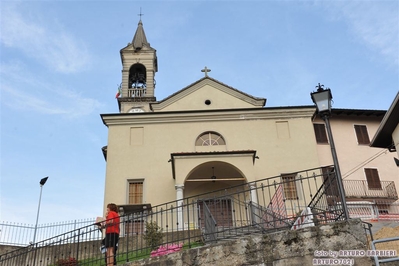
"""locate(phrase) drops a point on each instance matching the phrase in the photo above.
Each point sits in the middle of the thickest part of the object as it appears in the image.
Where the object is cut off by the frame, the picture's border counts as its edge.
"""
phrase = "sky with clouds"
(60, 68)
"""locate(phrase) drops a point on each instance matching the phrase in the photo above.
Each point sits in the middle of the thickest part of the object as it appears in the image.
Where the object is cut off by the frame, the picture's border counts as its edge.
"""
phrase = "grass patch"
(131, 256)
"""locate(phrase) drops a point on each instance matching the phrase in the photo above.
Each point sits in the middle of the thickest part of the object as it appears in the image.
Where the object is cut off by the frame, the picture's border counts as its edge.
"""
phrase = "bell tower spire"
(139, 65)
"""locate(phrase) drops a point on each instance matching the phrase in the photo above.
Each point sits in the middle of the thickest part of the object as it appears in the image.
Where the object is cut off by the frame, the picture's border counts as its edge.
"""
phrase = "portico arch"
(209, 180)
(202, 173)
(211, 176)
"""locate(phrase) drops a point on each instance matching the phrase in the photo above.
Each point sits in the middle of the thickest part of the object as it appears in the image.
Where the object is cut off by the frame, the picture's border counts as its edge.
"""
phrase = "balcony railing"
(360, 189)
(136, 92)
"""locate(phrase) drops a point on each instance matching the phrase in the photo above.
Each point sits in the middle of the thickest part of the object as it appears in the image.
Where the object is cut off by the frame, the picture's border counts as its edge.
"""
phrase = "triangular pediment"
(207, 94)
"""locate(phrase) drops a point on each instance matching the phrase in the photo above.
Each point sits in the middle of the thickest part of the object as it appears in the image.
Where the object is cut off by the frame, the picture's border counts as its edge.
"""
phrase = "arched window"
(210, 139)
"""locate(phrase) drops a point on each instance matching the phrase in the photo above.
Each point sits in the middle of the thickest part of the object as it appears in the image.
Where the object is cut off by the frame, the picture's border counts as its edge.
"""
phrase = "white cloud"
(45, 42)
(21, 90)
(375, 23)
(74, 105)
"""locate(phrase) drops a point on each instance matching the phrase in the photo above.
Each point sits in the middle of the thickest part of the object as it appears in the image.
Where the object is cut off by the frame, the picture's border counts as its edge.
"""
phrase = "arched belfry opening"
(137, 76)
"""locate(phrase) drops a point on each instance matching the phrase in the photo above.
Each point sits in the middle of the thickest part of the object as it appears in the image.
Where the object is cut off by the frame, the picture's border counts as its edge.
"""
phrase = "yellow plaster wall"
(149, 161)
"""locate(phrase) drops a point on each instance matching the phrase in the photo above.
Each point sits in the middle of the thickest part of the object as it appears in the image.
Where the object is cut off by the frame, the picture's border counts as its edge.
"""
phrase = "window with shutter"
(373, 180)
(362, 134)
(330, 181)
(290, 191)
(135, 192)
(320, 132)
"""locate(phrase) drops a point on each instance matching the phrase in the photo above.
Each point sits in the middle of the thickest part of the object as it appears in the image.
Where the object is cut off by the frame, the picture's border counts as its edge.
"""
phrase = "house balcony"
(359, 189)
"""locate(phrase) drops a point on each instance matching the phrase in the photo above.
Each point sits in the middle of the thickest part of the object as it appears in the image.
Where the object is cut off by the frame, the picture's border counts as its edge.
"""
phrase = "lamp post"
(322, 98)
(42, 182)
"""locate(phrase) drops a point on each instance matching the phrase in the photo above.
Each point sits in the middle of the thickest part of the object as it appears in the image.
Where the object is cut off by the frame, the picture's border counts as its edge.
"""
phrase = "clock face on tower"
(136, 110)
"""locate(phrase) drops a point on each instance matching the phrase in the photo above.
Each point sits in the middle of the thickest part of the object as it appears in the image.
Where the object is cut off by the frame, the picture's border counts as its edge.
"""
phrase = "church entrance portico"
(207, 181)
(211, 177)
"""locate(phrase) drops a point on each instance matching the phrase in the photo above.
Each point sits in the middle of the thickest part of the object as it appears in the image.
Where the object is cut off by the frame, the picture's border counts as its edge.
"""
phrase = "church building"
(210, 135)
(203, 137)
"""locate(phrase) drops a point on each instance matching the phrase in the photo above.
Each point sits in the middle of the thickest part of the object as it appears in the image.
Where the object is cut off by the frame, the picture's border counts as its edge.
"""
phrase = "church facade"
(204, 137)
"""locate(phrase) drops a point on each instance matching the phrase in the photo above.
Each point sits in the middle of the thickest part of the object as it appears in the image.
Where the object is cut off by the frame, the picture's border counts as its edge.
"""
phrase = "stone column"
(254, 199)
(179, 203)
(254, 196)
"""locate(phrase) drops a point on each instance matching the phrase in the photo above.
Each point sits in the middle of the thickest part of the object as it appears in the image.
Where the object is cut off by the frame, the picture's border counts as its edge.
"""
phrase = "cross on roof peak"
(141, 14)
(206, 70)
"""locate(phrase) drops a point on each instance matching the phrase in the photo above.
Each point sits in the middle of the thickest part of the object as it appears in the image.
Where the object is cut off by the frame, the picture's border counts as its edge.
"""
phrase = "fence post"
(77, 246)
(188, 222)
(35, 252)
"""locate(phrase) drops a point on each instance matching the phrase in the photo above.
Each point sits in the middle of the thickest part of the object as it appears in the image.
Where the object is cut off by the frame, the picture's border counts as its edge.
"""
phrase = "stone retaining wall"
(287, 248)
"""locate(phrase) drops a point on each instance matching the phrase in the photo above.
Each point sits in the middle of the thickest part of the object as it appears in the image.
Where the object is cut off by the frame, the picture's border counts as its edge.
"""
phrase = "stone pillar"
(254, 199)
(179, 203)
(254, 196)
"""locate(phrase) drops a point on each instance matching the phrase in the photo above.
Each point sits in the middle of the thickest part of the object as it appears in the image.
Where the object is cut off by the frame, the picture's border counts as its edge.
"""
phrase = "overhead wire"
(370, 159)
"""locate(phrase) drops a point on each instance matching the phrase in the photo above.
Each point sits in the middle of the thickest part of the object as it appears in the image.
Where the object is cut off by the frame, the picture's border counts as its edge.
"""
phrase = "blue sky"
(60, 67)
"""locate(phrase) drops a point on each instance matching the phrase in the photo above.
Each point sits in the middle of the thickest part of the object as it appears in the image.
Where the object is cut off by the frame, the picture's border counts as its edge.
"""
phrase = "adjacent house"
(370, 175)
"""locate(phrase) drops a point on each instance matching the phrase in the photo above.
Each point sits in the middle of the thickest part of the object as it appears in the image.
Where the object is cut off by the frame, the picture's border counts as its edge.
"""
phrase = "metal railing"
(376, 210)
(387, 255)
(209, 223)
(368, 232)
(19, 234)
(360, 189)
(209, 217)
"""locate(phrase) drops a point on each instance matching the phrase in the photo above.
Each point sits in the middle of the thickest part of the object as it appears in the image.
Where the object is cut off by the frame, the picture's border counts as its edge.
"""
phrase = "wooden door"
(220, 209)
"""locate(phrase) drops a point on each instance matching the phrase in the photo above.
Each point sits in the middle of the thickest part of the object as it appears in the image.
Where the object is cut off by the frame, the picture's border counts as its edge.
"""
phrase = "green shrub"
(153, 235)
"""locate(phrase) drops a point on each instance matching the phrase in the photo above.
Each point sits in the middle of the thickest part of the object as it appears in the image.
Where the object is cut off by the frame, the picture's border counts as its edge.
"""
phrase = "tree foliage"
(153, 235)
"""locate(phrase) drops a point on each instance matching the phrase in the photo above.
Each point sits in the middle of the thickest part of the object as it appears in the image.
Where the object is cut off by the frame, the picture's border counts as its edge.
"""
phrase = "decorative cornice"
(136, 99)
(207, 116)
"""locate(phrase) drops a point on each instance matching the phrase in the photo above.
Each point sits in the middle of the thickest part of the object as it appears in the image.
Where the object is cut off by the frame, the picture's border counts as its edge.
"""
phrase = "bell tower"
(139, 65)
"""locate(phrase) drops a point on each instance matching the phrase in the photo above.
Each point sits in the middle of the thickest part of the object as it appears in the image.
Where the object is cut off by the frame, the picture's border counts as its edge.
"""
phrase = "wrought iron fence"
(269, 204)
(19, 234)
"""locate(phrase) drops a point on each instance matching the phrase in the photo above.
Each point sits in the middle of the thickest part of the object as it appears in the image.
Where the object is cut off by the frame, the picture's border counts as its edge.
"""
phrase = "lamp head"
(43, 181)
(322, 98)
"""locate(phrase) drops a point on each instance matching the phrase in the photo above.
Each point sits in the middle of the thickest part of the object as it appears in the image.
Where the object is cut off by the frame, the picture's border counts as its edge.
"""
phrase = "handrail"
(367, 228)
(376, 259)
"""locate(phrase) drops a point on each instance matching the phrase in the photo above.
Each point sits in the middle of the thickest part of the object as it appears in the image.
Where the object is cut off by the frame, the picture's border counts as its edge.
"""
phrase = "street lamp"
(42, 182)
(322, 98)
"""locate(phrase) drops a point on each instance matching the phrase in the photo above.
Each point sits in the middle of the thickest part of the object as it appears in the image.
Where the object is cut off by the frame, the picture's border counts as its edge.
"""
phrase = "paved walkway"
(378, 225)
